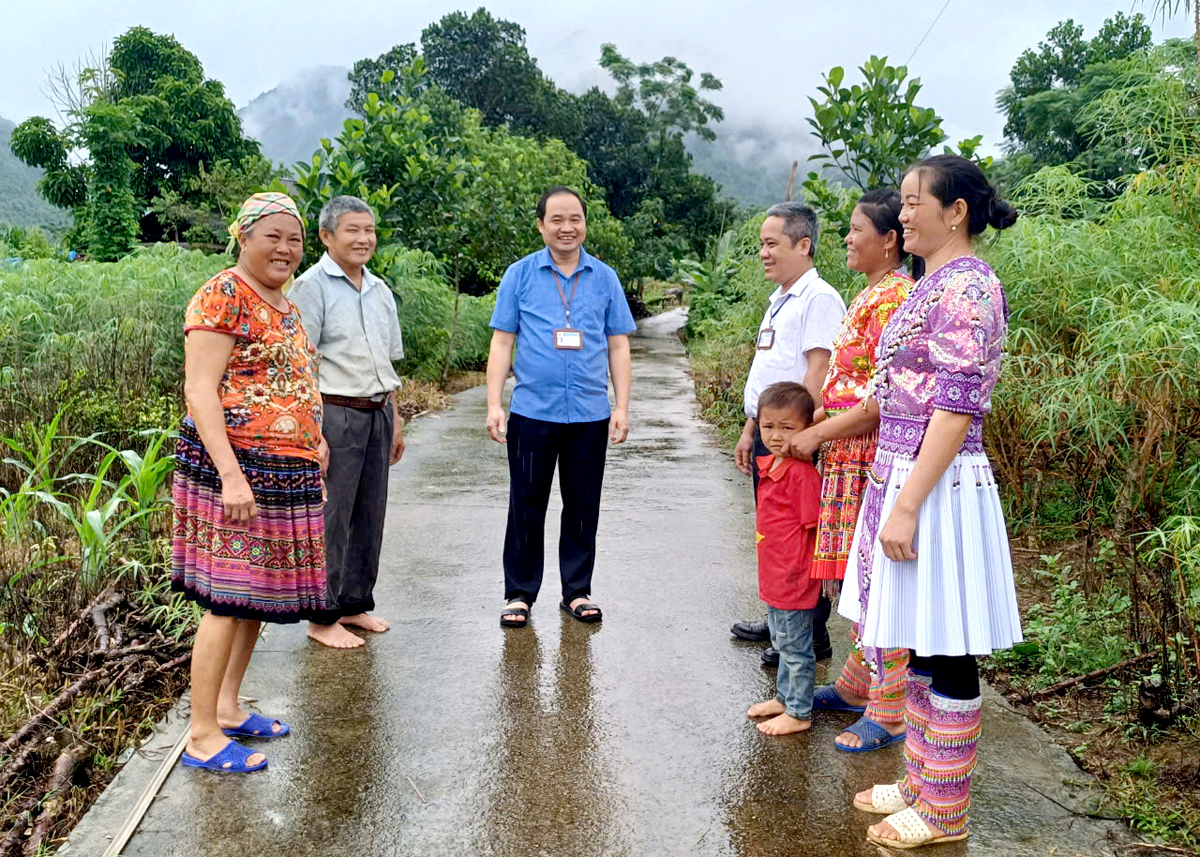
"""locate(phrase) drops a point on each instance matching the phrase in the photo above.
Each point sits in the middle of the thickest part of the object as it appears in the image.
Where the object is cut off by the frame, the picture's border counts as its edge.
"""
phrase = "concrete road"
(628, 738)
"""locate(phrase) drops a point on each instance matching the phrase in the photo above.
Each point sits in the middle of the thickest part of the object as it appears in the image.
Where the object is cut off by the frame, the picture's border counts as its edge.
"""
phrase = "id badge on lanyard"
(567, 338)
(766, 336)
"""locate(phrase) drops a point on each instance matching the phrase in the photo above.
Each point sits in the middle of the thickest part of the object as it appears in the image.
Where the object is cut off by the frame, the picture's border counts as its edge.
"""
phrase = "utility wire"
(927, 32)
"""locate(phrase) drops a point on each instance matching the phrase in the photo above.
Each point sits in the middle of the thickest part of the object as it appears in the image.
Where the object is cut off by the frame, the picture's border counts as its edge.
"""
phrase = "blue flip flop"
(826, 698)
(257, 726)
(233, 755)
(874, 736)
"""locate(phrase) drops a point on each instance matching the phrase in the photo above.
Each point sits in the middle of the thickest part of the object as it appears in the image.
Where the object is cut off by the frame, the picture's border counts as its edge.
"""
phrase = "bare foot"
(849, 739)
(766, 709)
(885, 831)
(207, 747)
(334, 636)
(784, 724)
(575, 602)
(367, 622)
(513, 617)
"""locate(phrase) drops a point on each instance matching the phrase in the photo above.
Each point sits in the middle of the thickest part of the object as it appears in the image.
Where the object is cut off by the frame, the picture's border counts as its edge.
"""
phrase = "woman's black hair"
(952, 178)
(882, 208)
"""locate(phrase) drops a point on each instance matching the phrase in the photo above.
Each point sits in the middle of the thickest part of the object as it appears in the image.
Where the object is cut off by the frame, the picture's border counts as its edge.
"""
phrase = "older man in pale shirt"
(795, 341)
(350, 316)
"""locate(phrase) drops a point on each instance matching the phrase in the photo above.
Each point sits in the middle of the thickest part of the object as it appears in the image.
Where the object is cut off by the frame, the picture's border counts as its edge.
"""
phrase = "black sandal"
(514, 611)
(577, 613)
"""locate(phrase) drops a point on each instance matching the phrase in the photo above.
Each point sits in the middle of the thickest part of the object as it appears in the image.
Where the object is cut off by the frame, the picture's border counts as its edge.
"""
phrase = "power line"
(927, 32)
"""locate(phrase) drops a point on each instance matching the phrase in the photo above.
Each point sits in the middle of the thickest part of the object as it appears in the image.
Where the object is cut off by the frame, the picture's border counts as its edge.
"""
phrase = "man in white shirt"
(350, 316)
(795, 342)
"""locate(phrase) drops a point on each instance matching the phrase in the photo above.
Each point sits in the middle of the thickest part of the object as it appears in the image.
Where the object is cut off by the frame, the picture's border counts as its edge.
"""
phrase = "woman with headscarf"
(248, 539)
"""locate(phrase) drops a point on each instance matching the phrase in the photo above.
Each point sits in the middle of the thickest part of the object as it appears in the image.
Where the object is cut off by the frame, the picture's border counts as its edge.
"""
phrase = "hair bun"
(1000, 213)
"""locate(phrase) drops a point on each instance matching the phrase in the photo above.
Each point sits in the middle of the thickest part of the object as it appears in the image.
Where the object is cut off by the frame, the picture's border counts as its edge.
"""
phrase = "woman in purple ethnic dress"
(929, 569)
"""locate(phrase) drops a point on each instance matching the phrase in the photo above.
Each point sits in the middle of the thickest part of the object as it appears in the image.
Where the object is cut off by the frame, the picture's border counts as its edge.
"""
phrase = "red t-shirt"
(789, 502)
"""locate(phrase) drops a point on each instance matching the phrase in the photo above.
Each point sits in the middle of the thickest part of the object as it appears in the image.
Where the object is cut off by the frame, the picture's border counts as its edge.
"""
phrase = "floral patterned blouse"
(942, 351)
(269, 390)
(853, 360)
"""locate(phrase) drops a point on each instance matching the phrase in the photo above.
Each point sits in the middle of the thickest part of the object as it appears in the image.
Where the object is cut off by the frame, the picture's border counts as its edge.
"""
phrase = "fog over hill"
(20, 204)
(290, 120)
(751, 163)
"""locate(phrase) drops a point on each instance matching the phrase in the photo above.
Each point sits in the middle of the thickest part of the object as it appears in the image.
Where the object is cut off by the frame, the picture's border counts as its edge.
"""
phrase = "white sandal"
(885, 800)
(913, 830)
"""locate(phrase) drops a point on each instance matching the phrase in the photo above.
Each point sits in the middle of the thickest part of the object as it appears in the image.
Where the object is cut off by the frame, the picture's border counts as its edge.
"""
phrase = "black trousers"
(360, 450)
(535, 447)
(952, 676)
(820, 633)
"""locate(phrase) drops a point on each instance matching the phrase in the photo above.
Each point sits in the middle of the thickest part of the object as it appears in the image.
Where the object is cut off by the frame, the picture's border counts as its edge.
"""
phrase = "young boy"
(789, 499)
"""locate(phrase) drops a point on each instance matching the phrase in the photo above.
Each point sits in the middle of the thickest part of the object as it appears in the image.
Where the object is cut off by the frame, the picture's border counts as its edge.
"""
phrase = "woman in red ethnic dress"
(249, 536)
(875, 247)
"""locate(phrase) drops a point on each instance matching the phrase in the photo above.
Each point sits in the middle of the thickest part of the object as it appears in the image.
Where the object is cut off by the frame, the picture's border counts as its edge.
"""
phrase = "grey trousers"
(360, 449)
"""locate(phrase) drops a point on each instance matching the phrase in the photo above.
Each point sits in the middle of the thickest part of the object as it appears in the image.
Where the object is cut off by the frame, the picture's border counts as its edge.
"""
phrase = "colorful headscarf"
(259, 206)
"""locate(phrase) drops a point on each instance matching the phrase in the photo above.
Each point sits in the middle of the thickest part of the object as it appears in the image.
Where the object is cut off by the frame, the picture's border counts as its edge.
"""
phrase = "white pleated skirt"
(958, 596)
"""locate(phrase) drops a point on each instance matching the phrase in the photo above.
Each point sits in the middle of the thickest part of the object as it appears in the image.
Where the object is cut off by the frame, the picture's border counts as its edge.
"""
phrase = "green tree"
(483, 62)
(109, 131)
(663, 92)
(367, 75)
(443, 182)
(872, 132)
(1049, 86)
(174, 123)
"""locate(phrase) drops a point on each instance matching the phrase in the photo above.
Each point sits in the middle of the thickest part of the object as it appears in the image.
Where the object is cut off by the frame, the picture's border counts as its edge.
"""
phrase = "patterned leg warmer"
(950, 739)
(886, 696)
(855, 679)
(916, 716)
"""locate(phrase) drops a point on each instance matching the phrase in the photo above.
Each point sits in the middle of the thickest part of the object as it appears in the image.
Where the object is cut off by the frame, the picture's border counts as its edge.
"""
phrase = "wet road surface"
(628, 738)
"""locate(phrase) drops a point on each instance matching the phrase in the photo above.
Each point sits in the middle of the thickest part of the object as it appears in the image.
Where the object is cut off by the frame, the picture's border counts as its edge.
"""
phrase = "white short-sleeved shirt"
(807, 316)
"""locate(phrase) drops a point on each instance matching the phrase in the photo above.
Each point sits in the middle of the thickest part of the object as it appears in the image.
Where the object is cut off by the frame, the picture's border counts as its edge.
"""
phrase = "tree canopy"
(148, 120)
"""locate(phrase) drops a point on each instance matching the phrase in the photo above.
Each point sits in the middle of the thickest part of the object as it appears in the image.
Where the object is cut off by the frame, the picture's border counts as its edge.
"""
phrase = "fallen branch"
(60, 787)
(100, 620)
(106, 600)
(61, 701)
(13, 768)
(1063, 686)
(16, 833)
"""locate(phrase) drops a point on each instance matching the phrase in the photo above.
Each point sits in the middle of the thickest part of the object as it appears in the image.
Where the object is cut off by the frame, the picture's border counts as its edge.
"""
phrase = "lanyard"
(778, 308)
(566, 301)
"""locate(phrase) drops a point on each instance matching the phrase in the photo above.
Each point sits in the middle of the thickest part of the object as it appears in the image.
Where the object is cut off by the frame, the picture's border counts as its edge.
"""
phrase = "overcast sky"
(770, 57)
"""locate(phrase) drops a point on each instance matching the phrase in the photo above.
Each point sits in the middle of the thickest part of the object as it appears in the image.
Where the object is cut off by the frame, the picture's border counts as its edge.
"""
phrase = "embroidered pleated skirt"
(271, 567)
(958, 596)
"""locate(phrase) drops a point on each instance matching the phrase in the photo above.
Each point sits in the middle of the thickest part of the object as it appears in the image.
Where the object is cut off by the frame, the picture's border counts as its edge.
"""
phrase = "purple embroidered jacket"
(942, 351)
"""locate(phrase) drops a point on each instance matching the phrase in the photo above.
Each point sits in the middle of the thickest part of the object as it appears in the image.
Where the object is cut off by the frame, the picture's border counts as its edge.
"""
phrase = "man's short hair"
(332, 211)
(555, 191)
(790, 396)
(799, 221)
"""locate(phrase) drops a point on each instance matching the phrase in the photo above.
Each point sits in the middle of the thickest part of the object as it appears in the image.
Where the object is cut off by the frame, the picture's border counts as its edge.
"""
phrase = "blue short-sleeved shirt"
(561, 386)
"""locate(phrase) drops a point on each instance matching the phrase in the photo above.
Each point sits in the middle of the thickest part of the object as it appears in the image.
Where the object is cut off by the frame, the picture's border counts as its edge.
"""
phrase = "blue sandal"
(826, 698)
(873, 736)
(257, 726)
(231, 760)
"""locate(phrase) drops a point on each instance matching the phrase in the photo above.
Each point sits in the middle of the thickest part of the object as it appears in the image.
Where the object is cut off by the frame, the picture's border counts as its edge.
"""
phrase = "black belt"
(360, 402)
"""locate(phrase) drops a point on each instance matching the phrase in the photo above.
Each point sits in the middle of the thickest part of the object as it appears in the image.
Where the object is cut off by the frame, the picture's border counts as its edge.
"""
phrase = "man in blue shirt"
(567, 315)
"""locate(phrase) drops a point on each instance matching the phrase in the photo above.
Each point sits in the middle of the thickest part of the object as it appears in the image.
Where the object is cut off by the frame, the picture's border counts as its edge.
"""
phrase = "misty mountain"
(750, 163)
(290, 120)
(20, 204)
